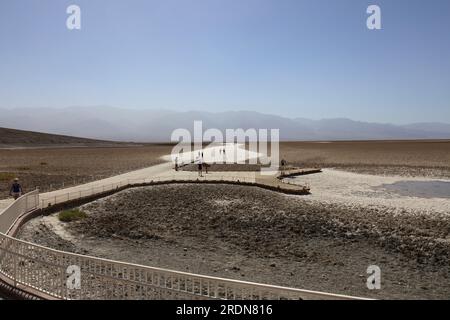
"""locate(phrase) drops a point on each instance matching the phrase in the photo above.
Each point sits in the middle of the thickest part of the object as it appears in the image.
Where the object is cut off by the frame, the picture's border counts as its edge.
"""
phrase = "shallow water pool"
(421, 189)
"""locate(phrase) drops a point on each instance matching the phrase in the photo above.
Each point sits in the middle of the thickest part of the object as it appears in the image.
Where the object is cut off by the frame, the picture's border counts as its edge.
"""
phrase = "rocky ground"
(257, 235)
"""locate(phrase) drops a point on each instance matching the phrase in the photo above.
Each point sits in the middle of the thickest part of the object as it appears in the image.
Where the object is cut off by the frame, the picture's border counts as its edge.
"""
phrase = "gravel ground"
(253, 234)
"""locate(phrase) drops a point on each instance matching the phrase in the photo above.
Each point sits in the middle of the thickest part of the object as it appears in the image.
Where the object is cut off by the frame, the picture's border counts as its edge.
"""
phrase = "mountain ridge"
(146, 125)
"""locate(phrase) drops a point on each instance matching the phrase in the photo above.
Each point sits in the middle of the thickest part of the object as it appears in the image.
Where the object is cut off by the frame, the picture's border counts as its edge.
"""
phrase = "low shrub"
(71, 215)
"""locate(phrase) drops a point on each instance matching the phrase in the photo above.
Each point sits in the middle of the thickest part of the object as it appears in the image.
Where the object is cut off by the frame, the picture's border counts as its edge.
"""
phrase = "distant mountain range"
(109, 123)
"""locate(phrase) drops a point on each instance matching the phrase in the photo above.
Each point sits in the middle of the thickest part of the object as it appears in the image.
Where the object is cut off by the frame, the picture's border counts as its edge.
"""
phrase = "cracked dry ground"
(252, 234)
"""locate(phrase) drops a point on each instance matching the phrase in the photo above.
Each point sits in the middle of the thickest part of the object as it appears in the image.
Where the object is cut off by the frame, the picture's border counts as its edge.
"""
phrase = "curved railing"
(96, 189)
(55, 274)
(24, 204)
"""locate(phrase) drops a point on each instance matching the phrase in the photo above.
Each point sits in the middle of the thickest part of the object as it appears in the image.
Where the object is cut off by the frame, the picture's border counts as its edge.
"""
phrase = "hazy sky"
(313, 58)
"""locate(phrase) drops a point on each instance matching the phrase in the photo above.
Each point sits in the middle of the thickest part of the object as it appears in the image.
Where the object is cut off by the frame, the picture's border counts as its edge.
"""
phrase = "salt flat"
(336, 186)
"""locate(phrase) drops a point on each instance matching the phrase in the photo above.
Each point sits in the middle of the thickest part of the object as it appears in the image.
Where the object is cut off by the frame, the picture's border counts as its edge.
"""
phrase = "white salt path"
(226, 153)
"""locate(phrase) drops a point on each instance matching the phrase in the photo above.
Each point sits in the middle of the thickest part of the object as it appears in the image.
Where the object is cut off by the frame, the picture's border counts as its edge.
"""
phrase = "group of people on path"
(222, 151)
(201, 165)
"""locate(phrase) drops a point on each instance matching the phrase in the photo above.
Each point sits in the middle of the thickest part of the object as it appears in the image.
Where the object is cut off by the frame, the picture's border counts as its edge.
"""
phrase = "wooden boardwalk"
(292, 172)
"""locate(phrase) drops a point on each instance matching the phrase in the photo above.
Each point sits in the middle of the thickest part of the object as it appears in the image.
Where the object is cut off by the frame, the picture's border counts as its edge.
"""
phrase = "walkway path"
(226, 153)
(5, 203)
(165, 170)
(150, 172)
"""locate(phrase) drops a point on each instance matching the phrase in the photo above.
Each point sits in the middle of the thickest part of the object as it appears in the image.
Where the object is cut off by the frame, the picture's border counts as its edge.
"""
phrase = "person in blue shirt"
(16, 189)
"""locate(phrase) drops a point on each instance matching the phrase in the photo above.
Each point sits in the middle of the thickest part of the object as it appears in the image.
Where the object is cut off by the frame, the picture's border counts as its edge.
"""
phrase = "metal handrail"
(98, 189)
(261, 290)
(20, 206)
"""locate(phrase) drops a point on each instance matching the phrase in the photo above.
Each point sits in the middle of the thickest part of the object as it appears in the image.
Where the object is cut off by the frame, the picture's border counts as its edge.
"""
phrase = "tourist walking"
(283, 166)
(200, 167)
(16, 189)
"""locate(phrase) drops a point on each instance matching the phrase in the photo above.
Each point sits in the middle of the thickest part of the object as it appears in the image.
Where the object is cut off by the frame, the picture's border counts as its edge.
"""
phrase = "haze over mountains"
(108, 123)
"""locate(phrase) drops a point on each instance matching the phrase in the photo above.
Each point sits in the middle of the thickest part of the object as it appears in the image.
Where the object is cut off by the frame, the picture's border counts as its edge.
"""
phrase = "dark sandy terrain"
(49, 168)
(407, 158)
(13, 138)
(257, 235)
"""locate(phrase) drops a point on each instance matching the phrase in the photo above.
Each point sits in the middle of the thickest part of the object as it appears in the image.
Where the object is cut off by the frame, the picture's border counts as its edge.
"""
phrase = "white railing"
(95, 189)
(45, 270)
(24, 204)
